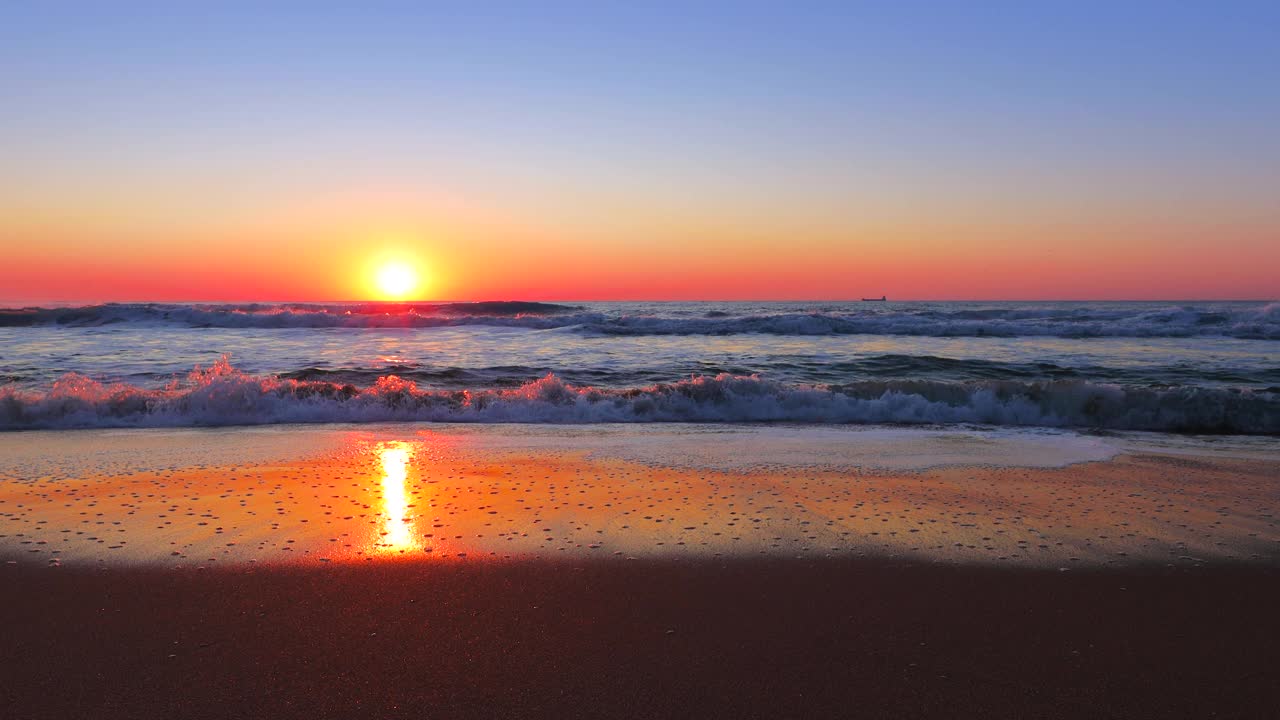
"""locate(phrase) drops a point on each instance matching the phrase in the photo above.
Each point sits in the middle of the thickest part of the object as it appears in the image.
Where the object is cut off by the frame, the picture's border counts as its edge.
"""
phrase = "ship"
(882, 298)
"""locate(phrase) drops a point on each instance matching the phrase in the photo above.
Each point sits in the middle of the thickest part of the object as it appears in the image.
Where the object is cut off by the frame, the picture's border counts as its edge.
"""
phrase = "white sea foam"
(738, 447)
(223, 395)
(61, 455)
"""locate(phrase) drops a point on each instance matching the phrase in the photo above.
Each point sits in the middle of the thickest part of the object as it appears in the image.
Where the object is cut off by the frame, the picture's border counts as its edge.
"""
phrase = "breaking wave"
(223, 395)
(1053, 320)
(1251, 323)
(295, 315)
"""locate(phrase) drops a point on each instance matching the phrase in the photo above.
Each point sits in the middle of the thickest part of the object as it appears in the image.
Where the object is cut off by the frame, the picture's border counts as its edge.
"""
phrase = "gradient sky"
(222, 151)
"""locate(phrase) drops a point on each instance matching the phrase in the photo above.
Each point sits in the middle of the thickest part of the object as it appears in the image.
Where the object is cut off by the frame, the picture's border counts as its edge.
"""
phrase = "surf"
(1256, 321)
(223, 395)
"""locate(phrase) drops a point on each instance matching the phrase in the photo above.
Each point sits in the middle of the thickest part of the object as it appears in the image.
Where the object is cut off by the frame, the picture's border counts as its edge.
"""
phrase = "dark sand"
(432, 575)
(645, 638)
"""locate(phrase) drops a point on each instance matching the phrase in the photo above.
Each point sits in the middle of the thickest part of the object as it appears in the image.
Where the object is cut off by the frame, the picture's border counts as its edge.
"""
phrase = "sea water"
(1167, 367)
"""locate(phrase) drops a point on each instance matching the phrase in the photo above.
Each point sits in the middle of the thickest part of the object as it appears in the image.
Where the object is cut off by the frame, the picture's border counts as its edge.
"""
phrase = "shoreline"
(345, 495)
(416, 572)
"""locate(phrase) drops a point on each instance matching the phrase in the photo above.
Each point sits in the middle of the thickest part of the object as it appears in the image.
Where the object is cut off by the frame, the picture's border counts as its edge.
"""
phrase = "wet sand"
(427, 573)
(453, 496)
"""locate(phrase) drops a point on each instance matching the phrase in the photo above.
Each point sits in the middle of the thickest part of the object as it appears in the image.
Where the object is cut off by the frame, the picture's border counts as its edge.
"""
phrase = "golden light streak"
(397, 533)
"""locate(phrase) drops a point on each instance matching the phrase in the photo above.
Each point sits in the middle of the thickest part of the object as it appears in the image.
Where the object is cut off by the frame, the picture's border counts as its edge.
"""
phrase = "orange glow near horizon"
(459, 257)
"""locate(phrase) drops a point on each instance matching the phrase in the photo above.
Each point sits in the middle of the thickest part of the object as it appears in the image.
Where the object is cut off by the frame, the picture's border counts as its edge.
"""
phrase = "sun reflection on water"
(397, 526)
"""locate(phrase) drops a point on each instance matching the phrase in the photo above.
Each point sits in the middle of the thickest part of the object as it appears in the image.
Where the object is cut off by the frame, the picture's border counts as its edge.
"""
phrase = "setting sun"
(395, 280)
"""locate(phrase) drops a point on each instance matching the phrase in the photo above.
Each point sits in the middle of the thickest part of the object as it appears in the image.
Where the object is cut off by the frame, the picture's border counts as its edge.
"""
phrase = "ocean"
(1190, 367)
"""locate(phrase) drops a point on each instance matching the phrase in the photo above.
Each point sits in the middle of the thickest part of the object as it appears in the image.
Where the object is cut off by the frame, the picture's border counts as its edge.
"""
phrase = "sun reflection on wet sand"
(397, 535)
(445, 496)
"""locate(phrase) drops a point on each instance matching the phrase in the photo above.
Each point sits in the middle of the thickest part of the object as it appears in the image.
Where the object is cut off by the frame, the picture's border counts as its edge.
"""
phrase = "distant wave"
(293, 315)
(223, 395)
(797, 370)
(1099, 320)
(1256, 322)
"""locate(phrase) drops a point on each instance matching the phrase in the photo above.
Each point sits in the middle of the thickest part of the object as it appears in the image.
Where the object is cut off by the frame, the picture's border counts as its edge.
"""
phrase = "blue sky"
(578, 112)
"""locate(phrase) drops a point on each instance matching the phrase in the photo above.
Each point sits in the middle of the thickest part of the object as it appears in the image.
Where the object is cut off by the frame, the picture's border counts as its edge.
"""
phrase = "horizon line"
(18, 305)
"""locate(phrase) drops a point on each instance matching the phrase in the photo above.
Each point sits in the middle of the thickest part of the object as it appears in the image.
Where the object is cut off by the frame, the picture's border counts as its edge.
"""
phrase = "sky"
(579, 151)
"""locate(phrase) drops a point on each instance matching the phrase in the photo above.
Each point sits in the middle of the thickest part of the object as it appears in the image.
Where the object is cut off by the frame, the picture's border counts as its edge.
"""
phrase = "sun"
(395, 280)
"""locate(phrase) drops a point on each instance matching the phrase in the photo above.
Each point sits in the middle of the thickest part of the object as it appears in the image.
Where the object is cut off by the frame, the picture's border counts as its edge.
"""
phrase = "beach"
(624, 571)
(631, 360)
(652, 638)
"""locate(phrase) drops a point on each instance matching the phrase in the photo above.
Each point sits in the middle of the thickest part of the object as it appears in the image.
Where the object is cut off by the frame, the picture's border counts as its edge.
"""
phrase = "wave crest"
(295, 315)
(1097, 320)
(223, 395)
